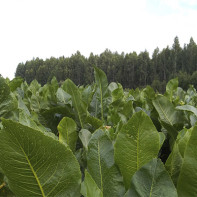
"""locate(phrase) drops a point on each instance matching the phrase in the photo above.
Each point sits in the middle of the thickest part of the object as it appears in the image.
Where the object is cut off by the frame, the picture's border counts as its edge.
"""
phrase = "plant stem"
(2, 185)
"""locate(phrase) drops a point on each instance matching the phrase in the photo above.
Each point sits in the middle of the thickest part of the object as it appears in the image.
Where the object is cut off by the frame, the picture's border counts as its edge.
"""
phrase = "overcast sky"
(45, 28)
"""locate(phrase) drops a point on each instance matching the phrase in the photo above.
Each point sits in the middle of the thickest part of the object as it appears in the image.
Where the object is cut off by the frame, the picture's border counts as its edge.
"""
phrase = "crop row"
(97, 141)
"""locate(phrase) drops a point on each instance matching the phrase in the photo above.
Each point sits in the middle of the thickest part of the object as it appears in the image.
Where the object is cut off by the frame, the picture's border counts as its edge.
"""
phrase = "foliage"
(97, 140)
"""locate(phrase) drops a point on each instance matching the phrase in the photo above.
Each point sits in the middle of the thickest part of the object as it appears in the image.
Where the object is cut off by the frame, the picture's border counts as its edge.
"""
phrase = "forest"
(131, 69)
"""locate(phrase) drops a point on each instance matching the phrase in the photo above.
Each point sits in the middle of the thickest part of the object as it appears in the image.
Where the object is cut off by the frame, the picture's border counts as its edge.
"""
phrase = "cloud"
(189, 2)
(47, 28)
(179, 5)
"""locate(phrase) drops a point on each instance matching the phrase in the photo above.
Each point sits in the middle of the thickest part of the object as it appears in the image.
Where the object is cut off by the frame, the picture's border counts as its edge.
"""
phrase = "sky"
(45, 28)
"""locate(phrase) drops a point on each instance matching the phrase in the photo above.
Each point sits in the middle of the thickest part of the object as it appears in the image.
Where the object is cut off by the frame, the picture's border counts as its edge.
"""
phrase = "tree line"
(131, 69)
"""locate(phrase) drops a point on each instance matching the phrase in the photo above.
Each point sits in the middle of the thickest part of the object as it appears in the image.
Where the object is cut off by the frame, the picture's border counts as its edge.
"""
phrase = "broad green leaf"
(43, 100)
(63, 97)
(136, 144)
(8, 108)
(87, 94)
(68, 132)
(79, 106)
(4, 90)
(189, 108)
(94, 108)
(101, 166)
(94, 122)
(34, 87)
(174, 163)
(183, 139)
(114, 117)
(127, 109)
(168, 115)
(121, 108)
(51, 118)
(33, 94)
(89, 187)
(171, 87)
(102, 90)
(152, 180)
(112, 86)
(118, 93)
(85, 136)
(22, 106)
(8, 101)
(175, 159)
(54, 84)
(37, 164)
(27, 120)
(35, 118)
(15, 83)
(187, 184)
(193, 120)
(35, 103)
(149, 92)
(52, 89)
(118, 98)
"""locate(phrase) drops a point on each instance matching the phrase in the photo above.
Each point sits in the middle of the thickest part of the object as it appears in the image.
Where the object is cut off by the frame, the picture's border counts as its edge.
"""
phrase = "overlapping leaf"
(136, 144)
(89, 187)
(37, 164)
(77, 102)
(68, 132)
(101, 166)
(101, 91)
(152, 180)
(174, 163)
(187, 184)
(171, 119)
(8, 101)
(189, 108)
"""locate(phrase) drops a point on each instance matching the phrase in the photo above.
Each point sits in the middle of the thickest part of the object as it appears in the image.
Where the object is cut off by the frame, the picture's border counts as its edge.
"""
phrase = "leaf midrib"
(67, 140)
(78, 112)
(138, 149)
(101, 98)
(165, 114)
(31, 167)
(151, 189)
(34, 173)
(100, 169)
(153, 181)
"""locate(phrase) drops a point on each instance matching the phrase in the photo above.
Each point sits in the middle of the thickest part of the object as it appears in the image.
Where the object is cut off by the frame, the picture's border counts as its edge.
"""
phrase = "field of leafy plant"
(97, 140)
